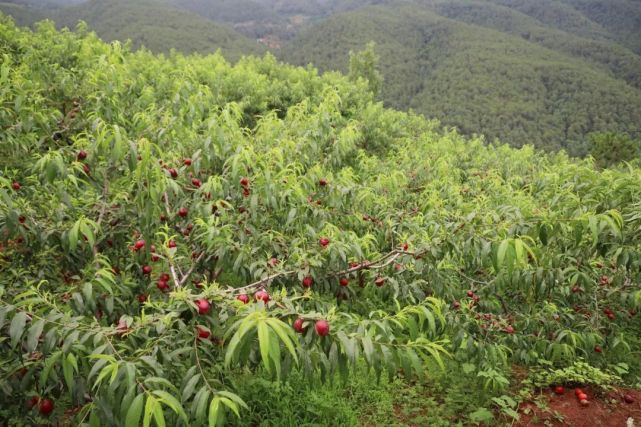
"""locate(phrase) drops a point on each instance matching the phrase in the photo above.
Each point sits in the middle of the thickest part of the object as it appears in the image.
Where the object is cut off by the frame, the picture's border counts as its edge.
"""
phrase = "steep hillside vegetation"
(622, 18)
(152, 23)
(534, 88)
(23, 15)
(546, 72)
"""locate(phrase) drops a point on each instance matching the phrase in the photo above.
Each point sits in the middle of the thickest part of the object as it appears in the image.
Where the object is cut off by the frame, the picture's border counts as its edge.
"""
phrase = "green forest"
(547, 73)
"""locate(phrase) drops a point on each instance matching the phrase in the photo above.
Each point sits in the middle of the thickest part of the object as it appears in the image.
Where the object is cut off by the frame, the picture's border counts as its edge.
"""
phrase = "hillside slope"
(152, 23)
(479, 79)
(22, 15)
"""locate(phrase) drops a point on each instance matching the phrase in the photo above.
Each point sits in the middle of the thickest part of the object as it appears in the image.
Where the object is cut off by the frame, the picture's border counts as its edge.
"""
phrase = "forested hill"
(490, 69)
(545, 72)
(155, 24)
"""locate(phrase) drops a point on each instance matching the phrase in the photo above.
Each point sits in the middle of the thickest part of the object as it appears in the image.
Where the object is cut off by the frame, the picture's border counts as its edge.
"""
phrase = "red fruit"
(578, 391)
(171, 244)
(162, 285)
(82, 154)
(139, 245)
(308, 282)
(628, 398)
(274, 262)
(582, 396)
(584, 402)
(244, 298)
(187, 162)
(344, 281)
(262, 295)
(298, 325)
(405, 246)
(46, 406)
(196, 182)
(322, 182)
(456, 305)
(86, 169)
(33, 401)
(509, 329)
(203, 306)
(611, 316)
(242, 209)
(203, 333)
(16, 185)
(322, 328)
(173, 172)
(165, 277)
(323, 242)
(598, 349)
(182, 212)
(576, 290)
(22, 219)
(142, 298)
(559, 390)
(380, 281)
(146, 269)
(470, 294)
(246, 193)
(244, 182)
(155, 258)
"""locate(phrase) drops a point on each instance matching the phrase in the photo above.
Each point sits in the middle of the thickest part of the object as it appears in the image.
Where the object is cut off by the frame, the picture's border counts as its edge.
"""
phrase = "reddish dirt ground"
(604, 409)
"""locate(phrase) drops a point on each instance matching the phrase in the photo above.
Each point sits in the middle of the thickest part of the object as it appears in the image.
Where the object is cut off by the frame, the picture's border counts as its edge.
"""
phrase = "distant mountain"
(486, 68)
(156, 24)
(23, 15)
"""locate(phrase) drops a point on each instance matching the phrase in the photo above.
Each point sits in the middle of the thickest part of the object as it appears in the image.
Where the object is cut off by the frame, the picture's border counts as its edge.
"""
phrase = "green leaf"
(285, 334)
(368, 350)
(49, 364)
(34, 334)
(245, 326)
(215, 413)
(500, 254)
(263, 341)
(17, 327)
(149, 410)
(190, 387)
(159, 416)
(135, 411)
(172, 402)
(233, 397)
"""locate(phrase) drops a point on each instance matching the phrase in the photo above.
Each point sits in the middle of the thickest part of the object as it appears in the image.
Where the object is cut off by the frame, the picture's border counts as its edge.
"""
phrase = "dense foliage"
(176, 233)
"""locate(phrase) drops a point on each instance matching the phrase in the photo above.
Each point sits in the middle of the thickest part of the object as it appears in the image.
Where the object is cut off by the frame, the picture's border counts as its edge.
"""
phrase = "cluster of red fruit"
(321, 326)
(583, 398)
(609, 313)
(45, 406)
(244, 182)
(82, 155)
